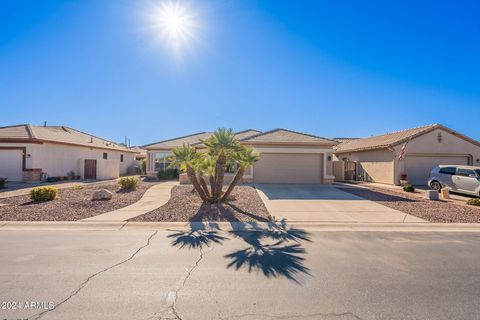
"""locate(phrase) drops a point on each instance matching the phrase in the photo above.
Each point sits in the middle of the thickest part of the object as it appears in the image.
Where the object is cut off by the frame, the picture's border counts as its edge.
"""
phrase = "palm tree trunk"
(204, 185)
(193, 179)
(212, 185)
(219, 175)
(235, 181)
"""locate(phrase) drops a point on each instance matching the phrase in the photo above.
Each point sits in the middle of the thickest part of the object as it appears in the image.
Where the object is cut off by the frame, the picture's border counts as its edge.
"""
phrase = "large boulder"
(102, 194)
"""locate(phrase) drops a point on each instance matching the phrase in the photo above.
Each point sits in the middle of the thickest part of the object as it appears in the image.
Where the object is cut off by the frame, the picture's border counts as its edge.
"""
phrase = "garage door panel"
(288, 168)
(11, 164)
(418, 167)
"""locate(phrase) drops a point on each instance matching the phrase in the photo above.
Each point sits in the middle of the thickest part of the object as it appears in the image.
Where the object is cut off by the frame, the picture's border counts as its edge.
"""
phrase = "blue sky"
(331, 68)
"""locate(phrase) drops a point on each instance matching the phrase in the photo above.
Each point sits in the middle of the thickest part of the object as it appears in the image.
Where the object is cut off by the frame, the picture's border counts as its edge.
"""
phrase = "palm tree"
(221, 145)
(246, 158)
(187, 159)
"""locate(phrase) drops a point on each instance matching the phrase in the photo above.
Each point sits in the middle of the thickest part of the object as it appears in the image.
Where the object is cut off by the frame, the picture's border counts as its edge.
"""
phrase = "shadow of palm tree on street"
(274, 249)
(200, 234)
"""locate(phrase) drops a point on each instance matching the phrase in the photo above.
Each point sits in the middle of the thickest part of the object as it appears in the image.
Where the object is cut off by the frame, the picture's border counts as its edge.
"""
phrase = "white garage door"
(418, 167)
(288, 168)
(11, 164)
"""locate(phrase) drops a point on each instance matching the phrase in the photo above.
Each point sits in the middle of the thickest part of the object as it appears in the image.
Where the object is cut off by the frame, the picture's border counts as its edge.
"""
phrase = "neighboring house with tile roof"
(27, 151)
(286, 156)
(413, 152)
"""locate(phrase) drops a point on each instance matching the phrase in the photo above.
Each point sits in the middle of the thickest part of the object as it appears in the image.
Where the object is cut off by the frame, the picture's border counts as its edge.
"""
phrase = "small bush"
(43, 194)
(474, 202)
(53, 179)
(408, 188)
(77, 187)
(143, 166)
(167, 174)
(128, 183)
(2, 182)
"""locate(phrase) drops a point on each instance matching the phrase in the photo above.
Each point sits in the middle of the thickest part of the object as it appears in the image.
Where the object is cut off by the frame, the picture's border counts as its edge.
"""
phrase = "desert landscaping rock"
(71, 204)
(185, 205)
(102, 195)
(416, 205)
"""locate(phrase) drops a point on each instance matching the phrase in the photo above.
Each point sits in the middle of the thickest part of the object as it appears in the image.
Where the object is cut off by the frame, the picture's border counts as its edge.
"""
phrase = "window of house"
(448, 170)
(161, 161)
(121, 158)
(105, 155)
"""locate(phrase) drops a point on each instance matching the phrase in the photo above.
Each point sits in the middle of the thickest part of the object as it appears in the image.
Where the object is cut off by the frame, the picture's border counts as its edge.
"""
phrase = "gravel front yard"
(71, 204)
(433, 211)
(185, 205)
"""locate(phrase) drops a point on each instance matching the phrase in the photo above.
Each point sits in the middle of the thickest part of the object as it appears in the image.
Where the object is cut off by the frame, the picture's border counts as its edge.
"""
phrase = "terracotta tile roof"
(344, 139)
(194, 139)
(58, 134)
(288, 136)
(394, 138)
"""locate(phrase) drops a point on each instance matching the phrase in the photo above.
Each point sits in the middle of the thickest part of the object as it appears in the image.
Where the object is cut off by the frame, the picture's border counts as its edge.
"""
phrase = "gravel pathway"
(185, 205)
(71, 204)
(433, 211)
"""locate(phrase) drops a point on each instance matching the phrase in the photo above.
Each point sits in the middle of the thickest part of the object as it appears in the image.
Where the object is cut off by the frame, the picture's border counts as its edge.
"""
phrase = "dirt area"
(186, 205)
(433, 211)
(70, 205)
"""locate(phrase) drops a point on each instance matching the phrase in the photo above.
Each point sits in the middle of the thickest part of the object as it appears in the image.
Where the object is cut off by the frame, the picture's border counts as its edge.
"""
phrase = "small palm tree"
(222, 145)
(187, 159)
(246, 158)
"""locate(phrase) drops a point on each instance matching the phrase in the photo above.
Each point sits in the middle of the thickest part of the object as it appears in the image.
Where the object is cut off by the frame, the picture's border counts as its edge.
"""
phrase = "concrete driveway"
(325, 203)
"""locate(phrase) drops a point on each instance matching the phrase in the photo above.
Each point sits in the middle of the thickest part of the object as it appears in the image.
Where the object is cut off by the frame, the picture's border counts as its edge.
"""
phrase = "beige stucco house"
(28, 153)
(285, 156)
(381, 159)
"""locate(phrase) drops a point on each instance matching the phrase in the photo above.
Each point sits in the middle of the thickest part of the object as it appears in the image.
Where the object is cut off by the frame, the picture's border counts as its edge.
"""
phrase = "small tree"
(222, 149)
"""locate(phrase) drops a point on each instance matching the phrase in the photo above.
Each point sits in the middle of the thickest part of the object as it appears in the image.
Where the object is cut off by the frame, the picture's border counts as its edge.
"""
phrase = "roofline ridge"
(288, 130)
(181, 137)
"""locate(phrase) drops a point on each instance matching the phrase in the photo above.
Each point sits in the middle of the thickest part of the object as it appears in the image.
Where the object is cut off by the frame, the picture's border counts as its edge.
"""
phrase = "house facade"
(410, 153)
(28, 153)
(285, 156)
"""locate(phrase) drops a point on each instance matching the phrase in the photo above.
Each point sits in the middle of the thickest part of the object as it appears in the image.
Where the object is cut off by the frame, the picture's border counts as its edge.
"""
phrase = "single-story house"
(285, 156)
(410, 154)
(28, 153)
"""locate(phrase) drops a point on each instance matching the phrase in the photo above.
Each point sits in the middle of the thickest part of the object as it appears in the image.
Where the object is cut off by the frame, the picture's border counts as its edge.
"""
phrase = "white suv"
(462, 179)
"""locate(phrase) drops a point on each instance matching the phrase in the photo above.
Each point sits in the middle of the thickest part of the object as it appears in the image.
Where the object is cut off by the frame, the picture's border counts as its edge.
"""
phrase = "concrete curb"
(237, 226)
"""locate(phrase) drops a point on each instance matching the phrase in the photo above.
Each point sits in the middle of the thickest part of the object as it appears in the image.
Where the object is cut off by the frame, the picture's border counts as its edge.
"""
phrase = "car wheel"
(435, 185)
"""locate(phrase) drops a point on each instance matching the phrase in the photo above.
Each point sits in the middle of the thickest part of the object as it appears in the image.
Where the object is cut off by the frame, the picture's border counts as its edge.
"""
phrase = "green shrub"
(2, 182)
(43, 194)
(474, 202)
(77, 187)
(408, 188)
(167, 174)
(128, 183)
(143, 166)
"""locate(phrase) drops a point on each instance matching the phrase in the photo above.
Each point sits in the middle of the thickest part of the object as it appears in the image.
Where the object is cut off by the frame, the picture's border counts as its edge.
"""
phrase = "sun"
(175, 23)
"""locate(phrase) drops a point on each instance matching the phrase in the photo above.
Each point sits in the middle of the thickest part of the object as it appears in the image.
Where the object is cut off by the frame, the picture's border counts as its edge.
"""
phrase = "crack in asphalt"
(123, 225)
(172, 296)
(298, 316)
(85, 282)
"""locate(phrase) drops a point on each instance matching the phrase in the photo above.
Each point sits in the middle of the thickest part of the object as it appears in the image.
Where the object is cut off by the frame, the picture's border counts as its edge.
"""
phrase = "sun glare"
(175, 23)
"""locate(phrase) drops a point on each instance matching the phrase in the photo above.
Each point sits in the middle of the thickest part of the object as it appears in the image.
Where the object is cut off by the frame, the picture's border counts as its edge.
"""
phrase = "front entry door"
(90, 170)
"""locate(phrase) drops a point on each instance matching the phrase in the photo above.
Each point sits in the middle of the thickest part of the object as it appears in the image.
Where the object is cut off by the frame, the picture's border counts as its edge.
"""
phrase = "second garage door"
(11, 164)
(288, 168)
(418, 167)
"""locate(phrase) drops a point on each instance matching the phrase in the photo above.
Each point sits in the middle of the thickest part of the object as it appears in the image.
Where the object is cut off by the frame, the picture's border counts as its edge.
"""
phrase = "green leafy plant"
(167, 174)
(128, 183)
(3, 181)
(408, 188)
(77, 187)
(143, 166)
(40, 194)
(474, 202)
(223, 150)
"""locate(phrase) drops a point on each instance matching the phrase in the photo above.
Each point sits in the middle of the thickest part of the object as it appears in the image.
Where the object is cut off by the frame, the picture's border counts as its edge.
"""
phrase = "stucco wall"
(430, 143)
(57, 159)
(375, 165)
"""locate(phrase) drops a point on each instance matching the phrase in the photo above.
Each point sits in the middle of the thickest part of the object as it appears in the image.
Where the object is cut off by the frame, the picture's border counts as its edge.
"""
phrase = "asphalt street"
(264, 273)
